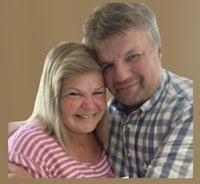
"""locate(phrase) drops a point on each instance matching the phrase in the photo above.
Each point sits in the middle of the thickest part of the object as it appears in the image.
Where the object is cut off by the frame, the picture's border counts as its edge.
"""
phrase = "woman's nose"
(88, 103)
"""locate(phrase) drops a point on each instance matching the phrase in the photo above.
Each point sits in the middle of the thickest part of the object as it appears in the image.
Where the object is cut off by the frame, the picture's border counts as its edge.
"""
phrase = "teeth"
(85, 116)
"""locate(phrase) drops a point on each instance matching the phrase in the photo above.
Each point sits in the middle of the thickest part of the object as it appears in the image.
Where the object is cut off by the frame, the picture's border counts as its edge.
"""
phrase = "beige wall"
(29, 28)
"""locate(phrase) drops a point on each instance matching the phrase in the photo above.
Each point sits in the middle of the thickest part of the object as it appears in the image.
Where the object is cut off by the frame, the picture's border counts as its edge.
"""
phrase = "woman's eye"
(99, 92)
(74, 94)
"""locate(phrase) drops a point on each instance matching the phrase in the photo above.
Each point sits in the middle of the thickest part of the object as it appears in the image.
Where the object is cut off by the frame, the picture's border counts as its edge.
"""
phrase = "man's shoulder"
(179, 86)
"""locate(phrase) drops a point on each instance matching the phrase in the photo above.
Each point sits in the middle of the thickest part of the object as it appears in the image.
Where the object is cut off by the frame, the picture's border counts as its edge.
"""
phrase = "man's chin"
(130, 101)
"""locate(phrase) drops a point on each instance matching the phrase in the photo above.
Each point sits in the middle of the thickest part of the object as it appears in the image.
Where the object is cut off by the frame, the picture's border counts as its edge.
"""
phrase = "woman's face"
(83, 101)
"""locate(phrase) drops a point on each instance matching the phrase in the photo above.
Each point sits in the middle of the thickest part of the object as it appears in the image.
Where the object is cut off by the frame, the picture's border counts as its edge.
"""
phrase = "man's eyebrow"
(102, 62)
(130, 52)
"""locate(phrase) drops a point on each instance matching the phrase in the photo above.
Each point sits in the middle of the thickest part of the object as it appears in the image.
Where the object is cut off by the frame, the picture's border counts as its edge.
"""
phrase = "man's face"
(132, 66)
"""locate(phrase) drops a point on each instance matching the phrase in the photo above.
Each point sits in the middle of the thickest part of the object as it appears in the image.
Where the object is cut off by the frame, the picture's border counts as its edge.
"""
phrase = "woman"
(66, 134)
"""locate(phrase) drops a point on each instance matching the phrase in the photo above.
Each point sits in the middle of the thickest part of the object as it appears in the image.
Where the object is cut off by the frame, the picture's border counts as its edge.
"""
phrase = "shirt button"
(129, 154)
(129, 126)
(145, 166)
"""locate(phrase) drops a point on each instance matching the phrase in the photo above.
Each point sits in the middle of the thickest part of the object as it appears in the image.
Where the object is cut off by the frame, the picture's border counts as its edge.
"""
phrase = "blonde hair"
(66, 58)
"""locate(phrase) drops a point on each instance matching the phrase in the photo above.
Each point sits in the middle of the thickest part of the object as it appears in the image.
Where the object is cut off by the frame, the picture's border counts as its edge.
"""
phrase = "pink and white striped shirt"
(42, 157)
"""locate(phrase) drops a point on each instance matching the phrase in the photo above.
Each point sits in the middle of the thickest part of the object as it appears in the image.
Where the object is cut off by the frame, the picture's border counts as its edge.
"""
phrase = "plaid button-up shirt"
(155, 141)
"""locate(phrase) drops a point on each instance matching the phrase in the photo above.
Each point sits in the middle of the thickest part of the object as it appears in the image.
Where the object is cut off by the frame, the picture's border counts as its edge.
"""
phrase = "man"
(151, 127)
(151, 130)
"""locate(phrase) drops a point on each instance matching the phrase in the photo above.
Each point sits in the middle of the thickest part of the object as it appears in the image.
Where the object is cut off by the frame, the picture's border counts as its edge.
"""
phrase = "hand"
(15, 171)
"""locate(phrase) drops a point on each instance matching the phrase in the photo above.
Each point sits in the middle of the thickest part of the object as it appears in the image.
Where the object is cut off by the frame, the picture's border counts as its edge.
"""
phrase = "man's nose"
(121, 72)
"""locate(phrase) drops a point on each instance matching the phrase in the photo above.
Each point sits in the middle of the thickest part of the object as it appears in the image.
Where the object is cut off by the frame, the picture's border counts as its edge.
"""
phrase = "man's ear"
(159, 51)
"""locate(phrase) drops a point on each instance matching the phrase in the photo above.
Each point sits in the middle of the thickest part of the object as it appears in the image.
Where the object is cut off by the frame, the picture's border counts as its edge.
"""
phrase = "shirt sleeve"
(34, 169)
(174, 158)
(23, 149)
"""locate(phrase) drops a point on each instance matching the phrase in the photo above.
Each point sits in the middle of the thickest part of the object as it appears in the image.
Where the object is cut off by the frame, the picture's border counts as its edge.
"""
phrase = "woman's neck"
(84, 147)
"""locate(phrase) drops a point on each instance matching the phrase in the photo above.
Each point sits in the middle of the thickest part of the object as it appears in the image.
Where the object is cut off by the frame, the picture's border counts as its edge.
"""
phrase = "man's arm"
(174, 158)
(15, 171)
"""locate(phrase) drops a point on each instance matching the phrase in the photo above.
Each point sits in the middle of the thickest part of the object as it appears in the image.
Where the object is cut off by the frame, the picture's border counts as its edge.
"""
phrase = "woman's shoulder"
(27, 130)
(30, 129)
(30, 136)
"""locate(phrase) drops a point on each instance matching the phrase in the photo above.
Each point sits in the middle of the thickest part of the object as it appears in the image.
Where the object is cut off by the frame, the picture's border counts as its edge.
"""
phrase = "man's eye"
(133, 57)
(106, 66)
